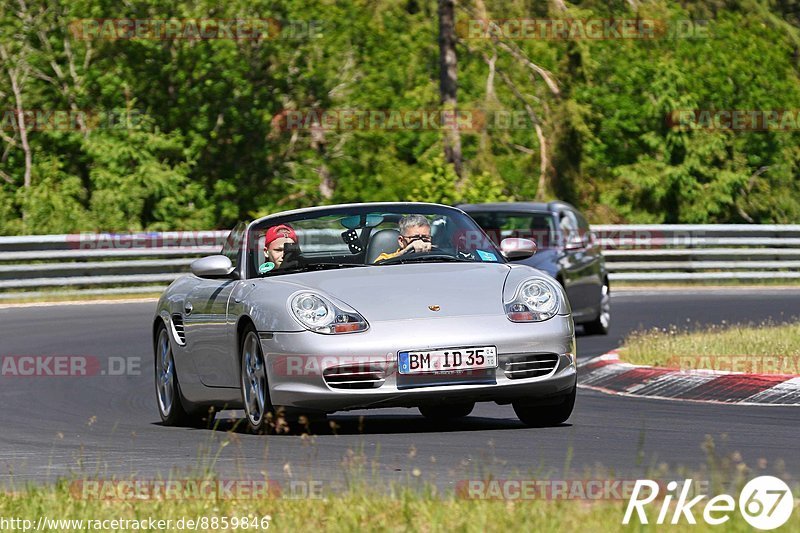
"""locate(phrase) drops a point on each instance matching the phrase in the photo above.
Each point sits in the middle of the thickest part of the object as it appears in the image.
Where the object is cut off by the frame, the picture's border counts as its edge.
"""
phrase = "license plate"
(449, 360)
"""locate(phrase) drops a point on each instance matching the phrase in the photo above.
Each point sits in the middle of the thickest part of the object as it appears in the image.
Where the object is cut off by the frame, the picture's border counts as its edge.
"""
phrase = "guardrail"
(684, 252)
(99, 264)
(146, 262)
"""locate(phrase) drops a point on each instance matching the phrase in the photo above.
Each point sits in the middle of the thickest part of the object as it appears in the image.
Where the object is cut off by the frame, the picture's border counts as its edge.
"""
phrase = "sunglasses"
(412, 238)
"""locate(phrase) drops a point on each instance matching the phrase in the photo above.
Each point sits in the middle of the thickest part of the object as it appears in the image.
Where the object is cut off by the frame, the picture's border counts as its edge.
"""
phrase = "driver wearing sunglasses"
(415, 236)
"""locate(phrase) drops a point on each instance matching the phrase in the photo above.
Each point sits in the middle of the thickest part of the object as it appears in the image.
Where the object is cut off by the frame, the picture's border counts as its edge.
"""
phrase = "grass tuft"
(768, 348)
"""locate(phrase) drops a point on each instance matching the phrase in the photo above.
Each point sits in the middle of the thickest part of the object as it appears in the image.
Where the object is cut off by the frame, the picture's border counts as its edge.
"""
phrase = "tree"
(448, 82)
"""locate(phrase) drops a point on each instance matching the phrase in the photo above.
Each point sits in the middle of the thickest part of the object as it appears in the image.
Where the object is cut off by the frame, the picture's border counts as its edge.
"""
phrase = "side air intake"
(356, 376)
(178, 329)
(530, 365)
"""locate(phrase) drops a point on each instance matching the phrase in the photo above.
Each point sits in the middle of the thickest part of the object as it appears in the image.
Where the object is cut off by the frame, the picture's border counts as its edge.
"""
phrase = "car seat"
(382, 242)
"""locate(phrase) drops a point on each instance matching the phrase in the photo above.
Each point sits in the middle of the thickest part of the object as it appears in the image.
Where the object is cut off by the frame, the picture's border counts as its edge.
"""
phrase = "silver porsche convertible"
(334, 308)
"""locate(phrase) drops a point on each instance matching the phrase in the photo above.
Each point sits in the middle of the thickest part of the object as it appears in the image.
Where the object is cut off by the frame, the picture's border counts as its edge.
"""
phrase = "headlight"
(320, 315)
(534, 301)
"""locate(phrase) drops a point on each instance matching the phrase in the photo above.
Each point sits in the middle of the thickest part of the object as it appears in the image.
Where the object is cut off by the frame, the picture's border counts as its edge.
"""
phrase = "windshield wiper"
(427, 258)
(312, 267)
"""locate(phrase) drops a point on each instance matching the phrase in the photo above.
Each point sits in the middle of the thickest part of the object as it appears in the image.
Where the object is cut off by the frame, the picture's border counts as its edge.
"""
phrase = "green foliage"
(649, 172)
(485, 187)
(54, 203)
(208, 148)
(437, 185)
(141, 180)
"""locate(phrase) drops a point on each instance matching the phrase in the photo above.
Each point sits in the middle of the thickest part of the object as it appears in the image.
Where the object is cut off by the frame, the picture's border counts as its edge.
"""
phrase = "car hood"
(400, 292)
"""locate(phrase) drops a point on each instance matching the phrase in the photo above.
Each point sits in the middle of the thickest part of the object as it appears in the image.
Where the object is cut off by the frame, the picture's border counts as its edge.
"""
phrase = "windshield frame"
(249, 269)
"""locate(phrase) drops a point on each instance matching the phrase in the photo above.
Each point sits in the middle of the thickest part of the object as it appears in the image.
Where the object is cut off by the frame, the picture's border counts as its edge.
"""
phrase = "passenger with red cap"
(275, 239)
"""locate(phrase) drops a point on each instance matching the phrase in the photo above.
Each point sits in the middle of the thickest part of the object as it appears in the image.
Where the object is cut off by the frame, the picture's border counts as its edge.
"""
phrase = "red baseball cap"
(279, 232)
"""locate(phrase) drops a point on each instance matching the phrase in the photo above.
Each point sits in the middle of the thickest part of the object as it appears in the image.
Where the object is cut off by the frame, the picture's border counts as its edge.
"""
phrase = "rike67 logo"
(765, 503)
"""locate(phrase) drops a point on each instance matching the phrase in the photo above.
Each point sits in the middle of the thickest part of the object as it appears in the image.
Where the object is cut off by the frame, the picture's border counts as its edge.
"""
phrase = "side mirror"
(213, 266)
(515, 248)
(574, 241)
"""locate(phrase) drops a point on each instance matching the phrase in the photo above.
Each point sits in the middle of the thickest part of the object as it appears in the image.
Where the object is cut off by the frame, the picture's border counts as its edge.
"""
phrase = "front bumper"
(297, 363)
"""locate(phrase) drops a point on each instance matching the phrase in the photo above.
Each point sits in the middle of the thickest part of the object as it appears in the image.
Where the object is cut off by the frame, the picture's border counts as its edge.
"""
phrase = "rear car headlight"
(319, 314)
(535, 300)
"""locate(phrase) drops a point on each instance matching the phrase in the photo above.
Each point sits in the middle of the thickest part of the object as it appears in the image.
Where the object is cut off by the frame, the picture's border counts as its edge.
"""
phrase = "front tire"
(446, 412)
(170, 401)
(254, 385)
(546, 415)
(602, 323)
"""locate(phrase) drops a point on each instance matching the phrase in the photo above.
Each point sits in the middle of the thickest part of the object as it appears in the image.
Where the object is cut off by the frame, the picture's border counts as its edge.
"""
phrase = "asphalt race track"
(107, 426)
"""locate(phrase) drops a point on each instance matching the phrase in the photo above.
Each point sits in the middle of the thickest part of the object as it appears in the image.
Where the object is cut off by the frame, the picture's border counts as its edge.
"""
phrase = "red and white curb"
(608, 374)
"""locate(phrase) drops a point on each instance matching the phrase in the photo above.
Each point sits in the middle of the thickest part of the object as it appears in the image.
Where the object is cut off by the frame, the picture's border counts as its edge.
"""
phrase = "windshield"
(539, 227)
(366, 236)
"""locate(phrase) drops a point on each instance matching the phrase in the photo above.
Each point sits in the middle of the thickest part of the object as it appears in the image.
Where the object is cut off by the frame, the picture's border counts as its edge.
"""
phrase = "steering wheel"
(411, 253)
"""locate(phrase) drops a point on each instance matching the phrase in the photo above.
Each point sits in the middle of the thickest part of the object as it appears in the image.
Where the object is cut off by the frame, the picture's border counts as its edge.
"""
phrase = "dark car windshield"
(365, 236)
(538, 226)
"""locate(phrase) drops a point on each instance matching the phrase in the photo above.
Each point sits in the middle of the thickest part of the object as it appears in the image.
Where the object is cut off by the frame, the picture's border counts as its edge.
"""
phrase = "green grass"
(764, 348)
(55, 297)
(405, 510)
(350, 512)
(363, 501)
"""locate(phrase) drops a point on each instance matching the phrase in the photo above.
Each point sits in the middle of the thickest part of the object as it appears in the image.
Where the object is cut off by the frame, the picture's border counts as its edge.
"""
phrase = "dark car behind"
(567, 250)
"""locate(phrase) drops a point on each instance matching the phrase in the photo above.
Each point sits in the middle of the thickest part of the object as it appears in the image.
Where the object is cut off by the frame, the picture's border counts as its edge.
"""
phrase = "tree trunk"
(14, 78)
(448, 82)
(327, 184)
(544, 158)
